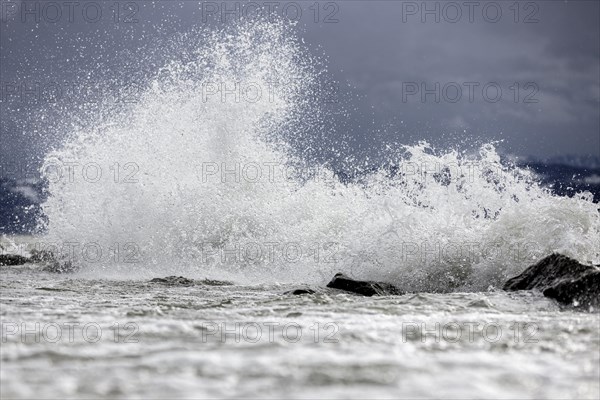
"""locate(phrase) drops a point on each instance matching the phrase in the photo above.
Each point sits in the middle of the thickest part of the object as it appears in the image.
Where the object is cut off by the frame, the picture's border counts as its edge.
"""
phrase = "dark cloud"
(373, 50)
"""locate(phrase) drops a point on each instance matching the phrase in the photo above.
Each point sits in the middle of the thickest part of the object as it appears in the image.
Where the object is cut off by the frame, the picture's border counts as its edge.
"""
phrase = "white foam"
(180, 219)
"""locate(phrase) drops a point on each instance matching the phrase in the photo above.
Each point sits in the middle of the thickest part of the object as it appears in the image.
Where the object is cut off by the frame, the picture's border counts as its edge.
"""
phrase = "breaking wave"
(204, 176)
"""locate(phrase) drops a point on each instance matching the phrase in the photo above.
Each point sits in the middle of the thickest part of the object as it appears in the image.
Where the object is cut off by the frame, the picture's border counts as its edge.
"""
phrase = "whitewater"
(211, 175)
(209, 163)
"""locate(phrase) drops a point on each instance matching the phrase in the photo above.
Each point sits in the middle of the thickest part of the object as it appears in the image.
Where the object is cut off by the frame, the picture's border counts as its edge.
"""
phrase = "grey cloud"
(371, 52)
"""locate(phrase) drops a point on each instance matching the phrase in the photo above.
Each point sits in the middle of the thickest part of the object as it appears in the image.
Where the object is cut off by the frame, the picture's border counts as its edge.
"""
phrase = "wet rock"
(39, 256)
(47, 261)
(173, 280)
(13, 259)
(51, 289)
(364, 288)
(214, 282)
(59, 267)
(561, 278)
(298, 292)
(53, 264)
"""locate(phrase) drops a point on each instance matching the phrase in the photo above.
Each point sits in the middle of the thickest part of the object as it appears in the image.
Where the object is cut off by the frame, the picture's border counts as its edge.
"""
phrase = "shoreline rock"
(11, 260)
(561, 278)
(299, 292)
(364, 288)
(45, 259)
(173, 281)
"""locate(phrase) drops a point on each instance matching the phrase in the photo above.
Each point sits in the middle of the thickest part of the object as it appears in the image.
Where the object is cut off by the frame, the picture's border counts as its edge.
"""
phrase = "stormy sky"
(524, 73)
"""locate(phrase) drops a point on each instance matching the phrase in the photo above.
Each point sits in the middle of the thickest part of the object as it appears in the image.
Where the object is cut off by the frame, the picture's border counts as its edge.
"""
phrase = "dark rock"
(365, 288)
(298, 292)
(53, 264)
(173, 280)
(42, 256)
(12, 259)
(214, 282)
(47, 260)
(561, 278)
(59, 267)
(49, 289)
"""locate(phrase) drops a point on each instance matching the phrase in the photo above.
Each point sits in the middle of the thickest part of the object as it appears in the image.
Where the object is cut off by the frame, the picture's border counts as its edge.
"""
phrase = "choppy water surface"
(212, 340)
(151, 196)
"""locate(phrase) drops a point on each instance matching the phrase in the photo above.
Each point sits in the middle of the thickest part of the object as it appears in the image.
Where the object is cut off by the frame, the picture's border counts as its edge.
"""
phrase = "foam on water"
(442, 220)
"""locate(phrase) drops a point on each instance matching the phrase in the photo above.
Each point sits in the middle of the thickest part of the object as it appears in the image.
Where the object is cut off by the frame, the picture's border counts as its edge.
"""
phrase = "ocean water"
(210, 176)
(104, 338)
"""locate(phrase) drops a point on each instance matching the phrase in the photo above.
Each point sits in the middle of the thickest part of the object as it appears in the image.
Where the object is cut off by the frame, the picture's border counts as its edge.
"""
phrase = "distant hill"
(20, 205)
(568, 175)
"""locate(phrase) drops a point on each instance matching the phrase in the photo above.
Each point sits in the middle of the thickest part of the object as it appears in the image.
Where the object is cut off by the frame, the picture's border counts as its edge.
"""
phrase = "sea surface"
(220, 189)
(69, 337)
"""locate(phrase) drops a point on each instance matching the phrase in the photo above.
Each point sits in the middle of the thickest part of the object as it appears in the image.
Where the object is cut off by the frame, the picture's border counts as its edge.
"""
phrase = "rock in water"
(299, 292)
(214, 282)
(561, 278)
(40, 256)
(49, 262)
(173, 280)
(60, 267)
(12, 260)
(365, 288)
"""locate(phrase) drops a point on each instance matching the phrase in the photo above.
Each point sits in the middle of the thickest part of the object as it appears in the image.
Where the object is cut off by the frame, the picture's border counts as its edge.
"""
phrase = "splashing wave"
(197, 178)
